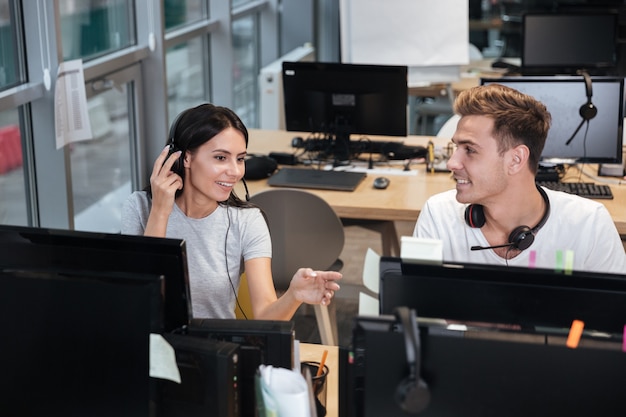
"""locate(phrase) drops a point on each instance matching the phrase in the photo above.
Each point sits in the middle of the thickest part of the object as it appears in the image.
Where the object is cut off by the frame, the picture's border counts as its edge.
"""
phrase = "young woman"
(191, 196)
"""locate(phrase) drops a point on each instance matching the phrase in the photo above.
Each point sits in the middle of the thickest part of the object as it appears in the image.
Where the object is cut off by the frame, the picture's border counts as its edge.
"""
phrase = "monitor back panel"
(483, 376)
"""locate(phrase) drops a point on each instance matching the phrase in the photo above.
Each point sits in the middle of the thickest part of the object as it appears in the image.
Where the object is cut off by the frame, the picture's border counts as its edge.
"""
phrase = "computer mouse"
(381, 183)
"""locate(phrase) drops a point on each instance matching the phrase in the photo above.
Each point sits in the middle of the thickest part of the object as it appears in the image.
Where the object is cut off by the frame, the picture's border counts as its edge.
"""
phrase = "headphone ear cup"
(413, 396)
(475, 215)
(521, 237)
(588, 111)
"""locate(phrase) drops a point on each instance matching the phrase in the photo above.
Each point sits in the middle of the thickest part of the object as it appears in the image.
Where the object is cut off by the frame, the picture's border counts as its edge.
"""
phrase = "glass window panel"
(245, 69)
(100, 167)
(182, 12)
(187, 75)
(237, 3)
(95, 28)
(13, 205)
(9, 61)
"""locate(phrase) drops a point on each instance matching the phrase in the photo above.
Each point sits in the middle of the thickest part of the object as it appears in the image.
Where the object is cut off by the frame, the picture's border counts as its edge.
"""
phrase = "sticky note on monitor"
(421, 250)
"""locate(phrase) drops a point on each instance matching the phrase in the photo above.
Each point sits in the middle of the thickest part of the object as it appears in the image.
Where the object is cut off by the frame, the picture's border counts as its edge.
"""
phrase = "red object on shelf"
(10, 148)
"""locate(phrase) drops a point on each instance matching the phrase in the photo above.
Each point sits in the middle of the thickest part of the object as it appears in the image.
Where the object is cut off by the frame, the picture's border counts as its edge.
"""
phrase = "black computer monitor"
(599, 139)
(526, 297)
(338, 100)
(65, 250)
(76, 342)
(492, 342)
(563, 43)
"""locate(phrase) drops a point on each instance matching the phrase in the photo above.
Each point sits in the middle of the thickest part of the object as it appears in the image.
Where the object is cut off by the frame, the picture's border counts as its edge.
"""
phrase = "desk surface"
(406, 194)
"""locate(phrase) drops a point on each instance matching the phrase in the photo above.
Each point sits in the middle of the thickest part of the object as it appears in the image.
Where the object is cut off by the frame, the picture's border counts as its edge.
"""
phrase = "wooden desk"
(405, 196)
(313, 352)
(401, 201)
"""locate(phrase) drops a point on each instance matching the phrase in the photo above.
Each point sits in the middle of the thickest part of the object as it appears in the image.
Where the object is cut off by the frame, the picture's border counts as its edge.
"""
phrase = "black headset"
(520, 238)
(172, 143)
(588, 110)
(412, 394)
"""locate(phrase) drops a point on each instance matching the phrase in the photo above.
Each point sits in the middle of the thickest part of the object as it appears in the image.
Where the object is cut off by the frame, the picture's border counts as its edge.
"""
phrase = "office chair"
(449, 127)
(432, 109)
(306, 232)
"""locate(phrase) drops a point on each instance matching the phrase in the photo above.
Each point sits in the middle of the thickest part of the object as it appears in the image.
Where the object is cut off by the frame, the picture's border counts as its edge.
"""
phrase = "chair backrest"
(305, 230)
(449, 127)
(474, 53)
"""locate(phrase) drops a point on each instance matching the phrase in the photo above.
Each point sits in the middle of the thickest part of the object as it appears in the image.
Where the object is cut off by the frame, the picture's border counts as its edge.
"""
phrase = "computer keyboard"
(583, 189)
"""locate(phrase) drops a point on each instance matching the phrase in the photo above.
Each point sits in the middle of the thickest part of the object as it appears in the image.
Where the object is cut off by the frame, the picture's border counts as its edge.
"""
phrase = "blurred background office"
(146, 60)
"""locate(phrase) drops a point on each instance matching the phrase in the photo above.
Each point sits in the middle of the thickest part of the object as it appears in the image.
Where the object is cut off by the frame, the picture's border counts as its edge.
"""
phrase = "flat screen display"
(563, 43)
(76, 343)
(526, 297)
(343, 99)
(597, 141)
(47, 249)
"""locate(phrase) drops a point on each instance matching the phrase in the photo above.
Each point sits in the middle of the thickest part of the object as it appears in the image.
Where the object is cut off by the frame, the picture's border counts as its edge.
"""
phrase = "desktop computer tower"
(267, 342)
(209, 372)
(275, 338)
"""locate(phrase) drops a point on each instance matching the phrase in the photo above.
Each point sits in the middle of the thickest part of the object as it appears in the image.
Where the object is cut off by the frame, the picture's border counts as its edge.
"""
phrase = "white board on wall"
(416, 33)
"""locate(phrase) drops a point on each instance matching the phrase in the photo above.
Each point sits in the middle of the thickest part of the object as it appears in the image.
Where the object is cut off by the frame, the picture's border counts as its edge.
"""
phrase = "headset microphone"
(491, 247)
(588, 110)
(520, 238)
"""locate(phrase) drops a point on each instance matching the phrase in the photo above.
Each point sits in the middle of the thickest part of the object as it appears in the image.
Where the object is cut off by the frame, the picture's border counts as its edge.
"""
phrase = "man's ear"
(519, 158)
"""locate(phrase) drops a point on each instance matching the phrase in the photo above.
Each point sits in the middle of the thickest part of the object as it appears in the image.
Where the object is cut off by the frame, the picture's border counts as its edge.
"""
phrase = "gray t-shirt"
(217, 246)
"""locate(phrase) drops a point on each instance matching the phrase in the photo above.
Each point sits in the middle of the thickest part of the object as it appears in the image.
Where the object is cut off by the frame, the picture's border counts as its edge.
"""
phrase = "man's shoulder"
(445, 197)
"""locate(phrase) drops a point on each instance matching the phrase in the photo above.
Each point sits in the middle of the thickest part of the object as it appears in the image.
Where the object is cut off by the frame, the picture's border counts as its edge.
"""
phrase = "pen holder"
(319, 384)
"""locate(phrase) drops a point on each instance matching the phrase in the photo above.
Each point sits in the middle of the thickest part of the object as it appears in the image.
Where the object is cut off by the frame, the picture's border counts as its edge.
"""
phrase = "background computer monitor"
(343, 99)
(597, 141)
(65, 250)
(526, 297)
(562, 43)
(76, 342)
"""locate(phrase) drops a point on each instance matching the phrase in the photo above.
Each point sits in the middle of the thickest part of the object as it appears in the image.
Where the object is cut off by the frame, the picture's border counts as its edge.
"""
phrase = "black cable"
(226, 262)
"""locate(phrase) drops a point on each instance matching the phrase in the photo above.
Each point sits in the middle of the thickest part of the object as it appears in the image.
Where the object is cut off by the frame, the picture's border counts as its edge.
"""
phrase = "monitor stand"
(548, 173)
(342, 149)
(611, 170)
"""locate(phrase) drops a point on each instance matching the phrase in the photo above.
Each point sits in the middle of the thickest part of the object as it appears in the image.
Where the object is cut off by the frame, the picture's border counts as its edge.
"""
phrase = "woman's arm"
(307, 286)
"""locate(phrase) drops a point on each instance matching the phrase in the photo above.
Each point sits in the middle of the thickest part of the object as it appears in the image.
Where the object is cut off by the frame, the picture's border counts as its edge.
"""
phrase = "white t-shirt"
(575, 224)
(217, 246)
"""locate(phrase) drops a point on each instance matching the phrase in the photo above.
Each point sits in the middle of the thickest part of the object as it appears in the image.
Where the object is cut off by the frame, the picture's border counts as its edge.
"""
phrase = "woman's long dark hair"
(194, 127)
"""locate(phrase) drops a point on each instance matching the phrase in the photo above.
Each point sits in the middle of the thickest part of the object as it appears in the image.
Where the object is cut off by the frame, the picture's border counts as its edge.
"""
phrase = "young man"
(499, 140)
